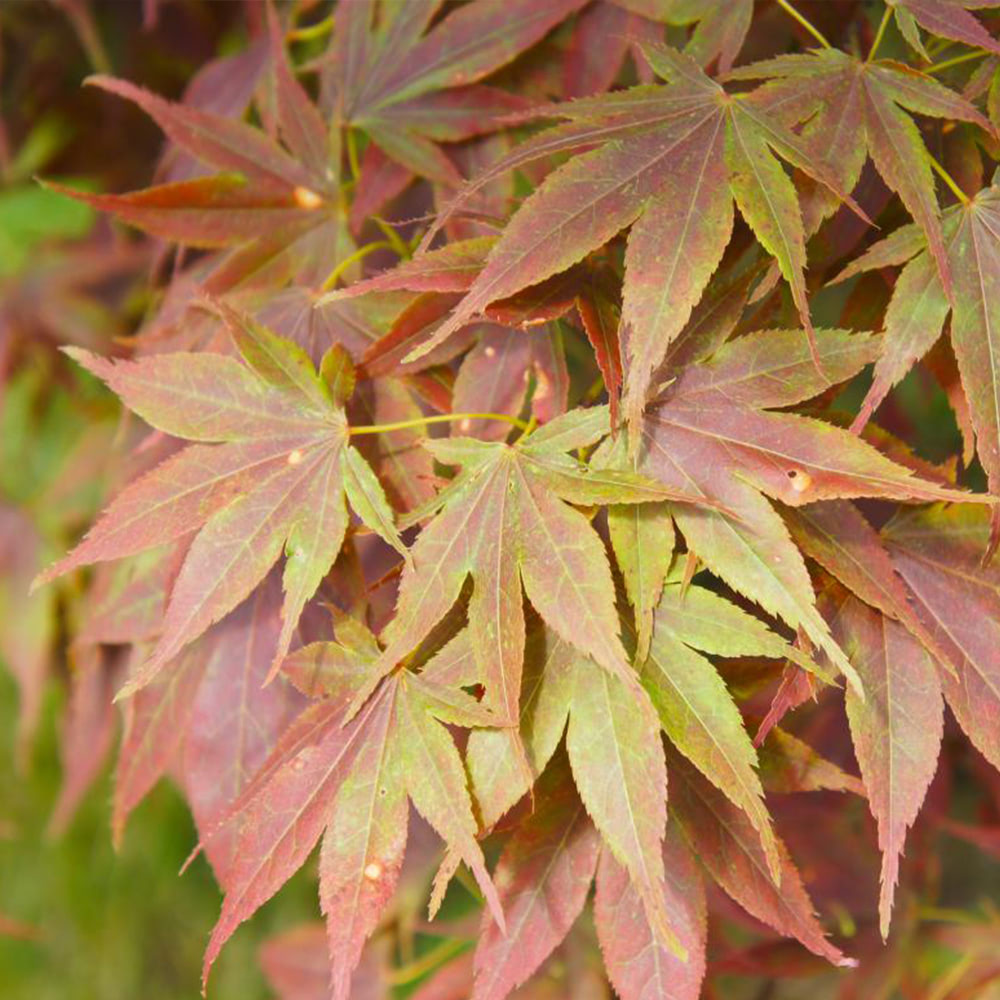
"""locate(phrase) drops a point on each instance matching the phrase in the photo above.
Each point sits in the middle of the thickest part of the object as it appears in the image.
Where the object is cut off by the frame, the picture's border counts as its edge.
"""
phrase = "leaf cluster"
(498, 483)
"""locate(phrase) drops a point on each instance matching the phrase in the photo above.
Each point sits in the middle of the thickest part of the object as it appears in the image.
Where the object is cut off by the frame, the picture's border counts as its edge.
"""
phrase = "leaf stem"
(956, 61)
(883, 24)
(402, 425)
(311, 31)
(352, 154)
(360, 254)
(398, 243)
(430, 960)
(948, 179)
(808, 25)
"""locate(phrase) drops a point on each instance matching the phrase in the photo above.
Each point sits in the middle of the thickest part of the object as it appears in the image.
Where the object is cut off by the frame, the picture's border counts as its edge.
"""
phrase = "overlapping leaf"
(269, 473)
(709, 431)
(638, 966)
(939, 553)
(896, 730)
(543, 878)
(277, 208)
(409, 88)
(504, 521)
(667, 160)
(919, 307)
(946, 19)
(721, 836)
(352, 781)
(858, 109)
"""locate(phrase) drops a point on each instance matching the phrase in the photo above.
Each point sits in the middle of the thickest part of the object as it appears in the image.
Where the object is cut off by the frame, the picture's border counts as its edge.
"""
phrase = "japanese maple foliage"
(521, 507)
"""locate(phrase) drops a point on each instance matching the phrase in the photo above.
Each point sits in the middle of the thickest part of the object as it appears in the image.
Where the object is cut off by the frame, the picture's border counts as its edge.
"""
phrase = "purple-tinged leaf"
(639, 967)
(543, 878)
(723, 839)
(896, 730)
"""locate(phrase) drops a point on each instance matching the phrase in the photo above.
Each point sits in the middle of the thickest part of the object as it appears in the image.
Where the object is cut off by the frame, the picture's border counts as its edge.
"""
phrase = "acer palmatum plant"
(512, 481)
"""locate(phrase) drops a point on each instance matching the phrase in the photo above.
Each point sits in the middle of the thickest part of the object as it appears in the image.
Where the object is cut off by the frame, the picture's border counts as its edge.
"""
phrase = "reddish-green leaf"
(896, 730)
(504, 519)
(543, 878)
(939, 553)
(275, 481)
(639, 967)
(729, 848)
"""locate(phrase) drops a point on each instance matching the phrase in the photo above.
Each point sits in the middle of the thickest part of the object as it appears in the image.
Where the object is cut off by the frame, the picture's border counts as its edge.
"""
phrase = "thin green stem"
(883, 24)
(427, 962)
(809, 26)
(402, 425)
(398, 243)
(532, 424)
(957, 61)
(352, 154)
(311, 31)
(948, 179)
(338, 272)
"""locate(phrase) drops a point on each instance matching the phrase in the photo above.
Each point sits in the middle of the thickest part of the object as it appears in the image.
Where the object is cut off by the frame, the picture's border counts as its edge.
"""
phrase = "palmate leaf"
(638, 966)
(859, 109)
(709, 432)
(409, 88)
(352, 780)
(607, 739)
(669, 161)
(613, 745)
(696, 710)
(836, 535)
(721, 837)
(270, 473)
(210, 717)
(505, 522)
(917, 311)
(277, 209)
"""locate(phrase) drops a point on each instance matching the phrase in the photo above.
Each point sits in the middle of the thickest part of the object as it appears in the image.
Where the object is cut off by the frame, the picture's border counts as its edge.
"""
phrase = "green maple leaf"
(505, 521)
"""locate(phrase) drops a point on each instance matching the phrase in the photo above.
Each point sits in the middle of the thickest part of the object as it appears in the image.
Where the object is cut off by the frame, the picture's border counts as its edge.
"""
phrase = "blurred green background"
(107, 926)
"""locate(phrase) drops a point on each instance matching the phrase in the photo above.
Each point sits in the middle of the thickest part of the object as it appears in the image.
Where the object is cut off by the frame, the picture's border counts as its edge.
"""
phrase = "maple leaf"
(695, 708)
(896, 730)
(919, 307)
(721, 836)
(503, 521)
(720, 30)
(945, 18)
(409, 88)
(277, 209)
(270, 471)
(836, 535)
(353, 780)
(216, 724)
(939, 553)
(669, 160)
(496, 375)
(637, 965)
(710, 432)
(788, 764)
(858, 109)
(613, 745)
(543, 878)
